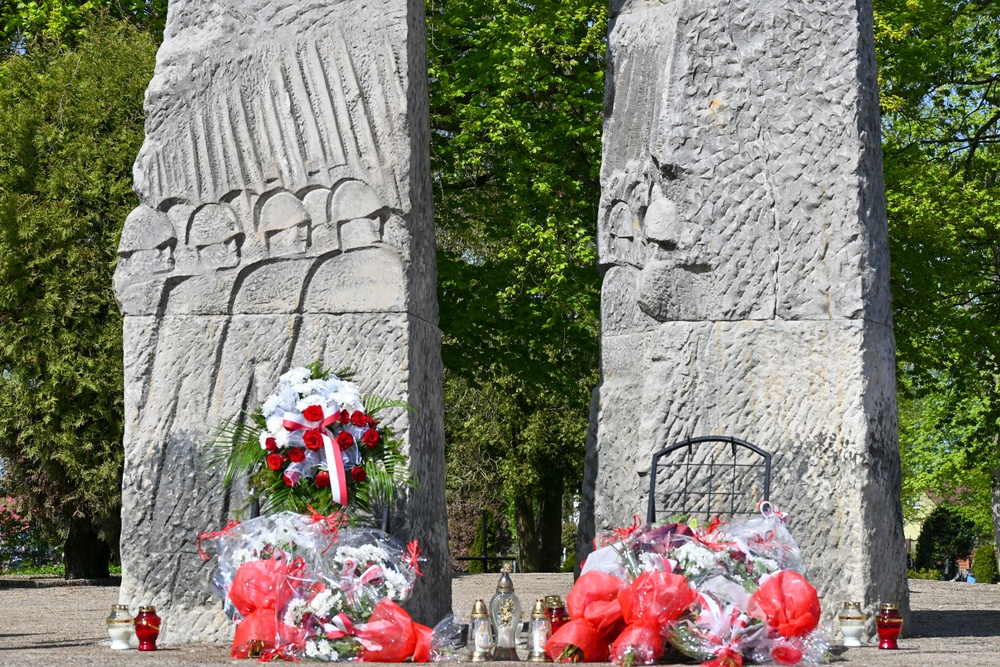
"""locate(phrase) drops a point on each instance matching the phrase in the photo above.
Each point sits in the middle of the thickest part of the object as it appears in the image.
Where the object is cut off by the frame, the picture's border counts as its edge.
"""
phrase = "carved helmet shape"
(281, 212)
(353, 200)
(148, 237)
(211, 224)
(214, 231)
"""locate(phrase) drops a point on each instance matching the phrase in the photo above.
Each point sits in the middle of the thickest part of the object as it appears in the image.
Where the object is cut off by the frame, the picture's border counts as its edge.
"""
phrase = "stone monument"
(743, 245)
(285, 216)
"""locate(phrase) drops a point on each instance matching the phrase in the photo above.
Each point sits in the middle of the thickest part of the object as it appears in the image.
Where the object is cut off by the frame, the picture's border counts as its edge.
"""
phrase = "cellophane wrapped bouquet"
(722, 594)
(300, 586)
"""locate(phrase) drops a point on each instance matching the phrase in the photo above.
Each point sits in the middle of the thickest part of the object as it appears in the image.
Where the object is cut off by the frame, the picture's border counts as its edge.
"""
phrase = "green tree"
(944, 536)
(939, 71)
(984, 565)
(516, 100)
(66, 21)
(71, 124)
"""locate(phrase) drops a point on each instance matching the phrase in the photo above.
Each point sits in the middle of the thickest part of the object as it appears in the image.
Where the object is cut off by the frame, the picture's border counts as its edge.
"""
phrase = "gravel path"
(952, 625)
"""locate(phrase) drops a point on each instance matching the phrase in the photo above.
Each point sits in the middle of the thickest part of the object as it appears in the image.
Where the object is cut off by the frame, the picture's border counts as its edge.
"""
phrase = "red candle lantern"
(557, 611)
(147, 628)
(889, 624)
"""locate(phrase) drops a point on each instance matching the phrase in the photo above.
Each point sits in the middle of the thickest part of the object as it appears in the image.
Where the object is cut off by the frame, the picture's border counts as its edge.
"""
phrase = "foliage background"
(939, 71)
(516, 100)
(516, 105)
(70, 125)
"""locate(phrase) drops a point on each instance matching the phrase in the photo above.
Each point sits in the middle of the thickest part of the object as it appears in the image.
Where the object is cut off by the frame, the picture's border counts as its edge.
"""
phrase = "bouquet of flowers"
(719, 594)
(262, 565)
(361, 570)
(306, 586)
(315, 444)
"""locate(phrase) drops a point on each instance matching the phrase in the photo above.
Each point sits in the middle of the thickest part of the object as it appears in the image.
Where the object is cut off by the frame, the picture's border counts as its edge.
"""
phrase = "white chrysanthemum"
(241, 556)
(270, 405)
(283, 437)
(322, 603)
(397, 585)
(321, 649)
(346, 394)
(274, 424)
(652, 562)
(695, 554)
(296, 375)
(295, 612)
(264, 435)
(311, 387)
(282, 400)
(312, 399)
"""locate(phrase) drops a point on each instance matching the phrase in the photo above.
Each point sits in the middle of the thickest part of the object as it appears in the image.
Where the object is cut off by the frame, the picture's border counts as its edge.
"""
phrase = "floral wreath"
(315, 445)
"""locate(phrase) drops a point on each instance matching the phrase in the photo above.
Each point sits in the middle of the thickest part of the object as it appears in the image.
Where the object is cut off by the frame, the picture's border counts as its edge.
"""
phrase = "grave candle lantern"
(505, 613)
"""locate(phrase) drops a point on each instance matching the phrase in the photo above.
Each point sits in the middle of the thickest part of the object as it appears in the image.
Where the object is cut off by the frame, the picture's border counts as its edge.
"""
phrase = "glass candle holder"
(558, 616)
(539, 632)
(120, 627)
(147, 628)
(889, 624)
(852, 624)
(505, 613)
(482, 633)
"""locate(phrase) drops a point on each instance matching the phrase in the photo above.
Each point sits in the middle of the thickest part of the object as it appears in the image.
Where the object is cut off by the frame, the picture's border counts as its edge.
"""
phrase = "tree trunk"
(550, 526)
(85, 554)
(527, 537)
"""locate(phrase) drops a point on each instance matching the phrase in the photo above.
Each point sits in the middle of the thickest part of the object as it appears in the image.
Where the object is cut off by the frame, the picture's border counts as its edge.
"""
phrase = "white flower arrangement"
(315, 444)
(321, 649)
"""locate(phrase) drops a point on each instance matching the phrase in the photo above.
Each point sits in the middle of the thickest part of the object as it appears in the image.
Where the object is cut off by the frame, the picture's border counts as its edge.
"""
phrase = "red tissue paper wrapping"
(259, 589)
(790, 603)
(390, 635)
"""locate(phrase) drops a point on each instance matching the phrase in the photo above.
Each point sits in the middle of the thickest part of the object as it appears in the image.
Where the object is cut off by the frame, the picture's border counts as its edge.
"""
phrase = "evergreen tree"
(71, 124)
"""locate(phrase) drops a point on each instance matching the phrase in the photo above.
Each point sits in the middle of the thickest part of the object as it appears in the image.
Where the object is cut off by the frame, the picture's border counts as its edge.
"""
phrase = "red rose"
(359, 418)
(370, 437)
(323, 479)
(345, 417)
(296, 455)
(345, 440)
(313, 439)
(290, 479)
(371, 422)
(790, 603)
(274, 461)
(313, 413)
(271, 444)
(358, 474)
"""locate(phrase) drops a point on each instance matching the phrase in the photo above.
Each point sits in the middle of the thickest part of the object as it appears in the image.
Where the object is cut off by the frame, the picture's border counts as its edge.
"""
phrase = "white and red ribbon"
(342, 627)
(335, 463)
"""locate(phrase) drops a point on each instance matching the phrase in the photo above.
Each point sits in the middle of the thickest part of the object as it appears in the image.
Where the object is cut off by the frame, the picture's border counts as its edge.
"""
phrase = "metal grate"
(709, 476)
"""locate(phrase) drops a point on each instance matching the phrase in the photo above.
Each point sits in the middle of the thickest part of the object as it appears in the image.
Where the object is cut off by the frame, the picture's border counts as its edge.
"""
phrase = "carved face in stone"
(215, 234)
(284, 222)
(146, 248)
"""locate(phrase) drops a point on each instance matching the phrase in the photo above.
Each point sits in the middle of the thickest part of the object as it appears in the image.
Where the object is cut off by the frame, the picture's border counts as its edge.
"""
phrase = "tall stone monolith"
(742, 240)
(285, 216)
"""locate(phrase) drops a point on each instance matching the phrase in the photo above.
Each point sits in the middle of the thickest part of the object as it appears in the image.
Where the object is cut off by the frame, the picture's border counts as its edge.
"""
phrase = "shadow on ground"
(955, 623)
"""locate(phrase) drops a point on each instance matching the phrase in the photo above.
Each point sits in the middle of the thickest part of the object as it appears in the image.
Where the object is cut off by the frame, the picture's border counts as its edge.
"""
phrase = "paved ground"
(953, 625)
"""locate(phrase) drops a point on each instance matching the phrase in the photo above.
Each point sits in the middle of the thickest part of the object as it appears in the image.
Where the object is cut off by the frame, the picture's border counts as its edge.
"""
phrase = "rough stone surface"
(742, 237)
(284, 216)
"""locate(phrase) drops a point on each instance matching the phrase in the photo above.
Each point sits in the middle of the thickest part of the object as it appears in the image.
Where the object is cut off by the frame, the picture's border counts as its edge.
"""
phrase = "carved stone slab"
(284, 217)
(742, 239)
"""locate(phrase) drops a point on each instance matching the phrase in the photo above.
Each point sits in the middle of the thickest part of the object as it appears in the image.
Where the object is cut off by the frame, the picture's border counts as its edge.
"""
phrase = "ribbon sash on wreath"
(331, 450)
